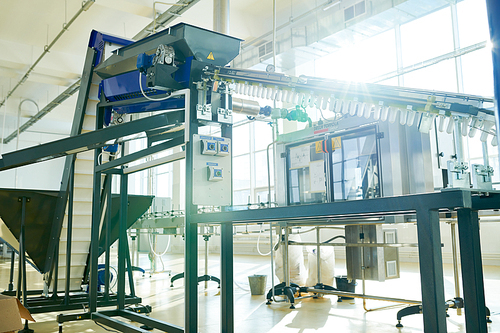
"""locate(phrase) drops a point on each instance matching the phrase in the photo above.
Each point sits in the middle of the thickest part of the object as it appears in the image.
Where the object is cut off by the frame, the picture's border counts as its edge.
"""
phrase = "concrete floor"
(253, 315)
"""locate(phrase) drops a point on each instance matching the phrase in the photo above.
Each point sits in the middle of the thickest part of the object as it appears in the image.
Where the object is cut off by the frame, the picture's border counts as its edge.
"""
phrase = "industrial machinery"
(349, 169)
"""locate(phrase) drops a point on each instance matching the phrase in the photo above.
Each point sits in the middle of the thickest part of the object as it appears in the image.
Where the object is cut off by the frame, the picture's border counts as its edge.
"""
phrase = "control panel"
(212, 177)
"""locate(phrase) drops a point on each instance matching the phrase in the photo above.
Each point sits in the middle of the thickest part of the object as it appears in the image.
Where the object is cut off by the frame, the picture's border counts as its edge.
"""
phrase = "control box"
(212, 178)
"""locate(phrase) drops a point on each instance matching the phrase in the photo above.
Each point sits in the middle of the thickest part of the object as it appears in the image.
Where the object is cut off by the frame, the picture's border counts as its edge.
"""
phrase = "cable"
(147, 97)
(151, 245)
(333, 238)
(258, 243)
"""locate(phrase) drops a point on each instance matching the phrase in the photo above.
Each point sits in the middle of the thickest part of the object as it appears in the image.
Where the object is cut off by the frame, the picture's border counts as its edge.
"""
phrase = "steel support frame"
(427, 207)
(472, 271)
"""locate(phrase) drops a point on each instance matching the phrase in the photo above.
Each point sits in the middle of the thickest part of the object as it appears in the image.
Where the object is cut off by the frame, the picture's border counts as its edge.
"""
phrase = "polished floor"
(253, 315)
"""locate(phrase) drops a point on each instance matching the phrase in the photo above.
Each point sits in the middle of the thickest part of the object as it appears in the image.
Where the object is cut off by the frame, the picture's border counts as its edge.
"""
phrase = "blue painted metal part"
(144, 61)
(98, 39)
(493, 7)
(169, 104)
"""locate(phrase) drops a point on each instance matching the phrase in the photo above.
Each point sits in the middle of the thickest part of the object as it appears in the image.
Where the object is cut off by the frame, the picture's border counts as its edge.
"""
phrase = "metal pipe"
(251, 108)
(85, 6)
(455, 263)
(12, 261)
(458, 140)
(318, 259)
(206, 259)
(356, 244)
(269, 175)
(221, 16)
(377, 298)
(69, 231)
(274, 36)
(286, 268)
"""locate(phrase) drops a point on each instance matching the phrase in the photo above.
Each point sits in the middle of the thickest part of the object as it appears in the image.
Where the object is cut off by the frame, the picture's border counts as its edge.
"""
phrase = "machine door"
(306, 174)
(355, 165)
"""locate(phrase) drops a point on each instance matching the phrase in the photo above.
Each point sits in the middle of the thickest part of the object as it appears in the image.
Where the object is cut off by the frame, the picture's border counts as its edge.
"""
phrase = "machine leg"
(12, 263)
(472, 271)
(26, 328)
(227, 277)
(488, 314)
(431, 270)
(408, 311)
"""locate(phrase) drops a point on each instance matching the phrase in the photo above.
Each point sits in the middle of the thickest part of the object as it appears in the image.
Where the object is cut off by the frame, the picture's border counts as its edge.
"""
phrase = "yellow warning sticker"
(211, 56)
(319, 147)
(336, 143)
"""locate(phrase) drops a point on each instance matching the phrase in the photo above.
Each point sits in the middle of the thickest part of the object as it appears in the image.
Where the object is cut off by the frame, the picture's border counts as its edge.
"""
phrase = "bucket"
(343, 284)
(257, 284)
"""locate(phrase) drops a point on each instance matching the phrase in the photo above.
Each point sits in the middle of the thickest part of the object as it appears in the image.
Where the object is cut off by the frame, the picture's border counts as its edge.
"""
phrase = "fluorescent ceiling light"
(331, 4)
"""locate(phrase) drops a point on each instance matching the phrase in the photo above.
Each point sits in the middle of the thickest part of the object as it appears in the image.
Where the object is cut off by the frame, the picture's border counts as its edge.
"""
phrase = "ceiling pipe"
(85, 6)
(221, 16)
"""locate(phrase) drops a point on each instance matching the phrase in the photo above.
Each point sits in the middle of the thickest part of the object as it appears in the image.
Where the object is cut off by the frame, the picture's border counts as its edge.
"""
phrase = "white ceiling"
(26, 26)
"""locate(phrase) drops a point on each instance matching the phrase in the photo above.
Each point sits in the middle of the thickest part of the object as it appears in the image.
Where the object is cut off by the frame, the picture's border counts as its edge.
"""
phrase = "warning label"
(211, 56)
(336, 143)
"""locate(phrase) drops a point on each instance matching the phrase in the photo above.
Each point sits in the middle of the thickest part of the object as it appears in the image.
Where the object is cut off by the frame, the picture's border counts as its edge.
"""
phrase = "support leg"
(472, 271)
(431, 271)
(227, 292)
(12, 266)
(122, 240)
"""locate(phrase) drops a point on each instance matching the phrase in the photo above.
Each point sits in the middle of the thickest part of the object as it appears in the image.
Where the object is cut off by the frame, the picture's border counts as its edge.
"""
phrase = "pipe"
(221, 16)
(251, 108)
(85, 6)
(455, 263)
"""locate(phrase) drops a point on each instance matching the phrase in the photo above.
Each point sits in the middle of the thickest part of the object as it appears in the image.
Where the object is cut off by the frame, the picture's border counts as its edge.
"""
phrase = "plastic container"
(343, 284)
(257, 284)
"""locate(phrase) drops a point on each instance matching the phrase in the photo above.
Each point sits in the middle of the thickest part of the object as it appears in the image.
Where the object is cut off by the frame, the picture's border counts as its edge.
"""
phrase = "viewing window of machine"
(350, 160)
(355, 167)
(306, 174)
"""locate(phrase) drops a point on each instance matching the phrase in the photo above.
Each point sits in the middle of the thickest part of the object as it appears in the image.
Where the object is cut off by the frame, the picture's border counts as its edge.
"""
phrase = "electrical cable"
(151, 245)
(147, 97)
(258, 243)
(333, 238)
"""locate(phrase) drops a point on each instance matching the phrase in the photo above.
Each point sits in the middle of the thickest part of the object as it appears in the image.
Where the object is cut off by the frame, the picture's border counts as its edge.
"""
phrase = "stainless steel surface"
(245, 106)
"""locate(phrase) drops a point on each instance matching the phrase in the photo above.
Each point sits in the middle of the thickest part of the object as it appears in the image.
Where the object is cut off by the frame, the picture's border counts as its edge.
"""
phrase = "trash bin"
(257, 284)
(343, 284)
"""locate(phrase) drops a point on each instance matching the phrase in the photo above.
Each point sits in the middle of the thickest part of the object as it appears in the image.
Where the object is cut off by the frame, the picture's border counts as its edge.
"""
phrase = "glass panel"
(427, 37)
(241, 140)
(241, 197)
(356, 176)
(262, 195)
(472, 22)
(477, 71)
(300, 190)
(261, 168)
(263, 135)
(351, 62)
(441, 76)
(241, 172)
(164, 185)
